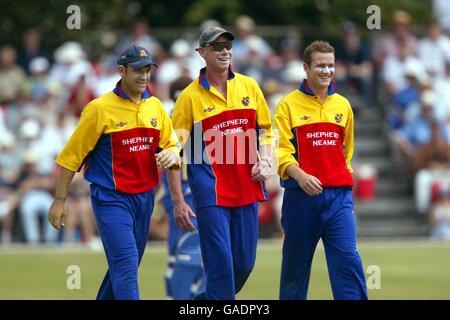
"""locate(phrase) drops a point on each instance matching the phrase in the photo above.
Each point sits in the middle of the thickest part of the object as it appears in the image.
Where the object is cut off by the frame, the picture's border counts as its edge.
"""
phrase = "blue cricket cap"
(137, 57)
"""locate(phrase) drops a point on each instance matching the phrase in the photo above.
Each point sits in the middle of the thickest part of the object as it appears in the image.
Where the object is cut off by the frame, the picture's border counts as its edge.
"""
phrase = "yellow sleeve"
(182, 118)
(349, 139)
(286, 149)
(83, 139)
(168, 138)
(263, 117)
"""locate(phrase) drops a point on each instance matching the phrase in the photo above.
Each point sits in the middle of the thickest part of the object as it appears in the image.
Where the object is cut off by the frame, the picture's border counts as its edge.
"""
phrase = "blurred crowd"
(42, 95)
(415, 73)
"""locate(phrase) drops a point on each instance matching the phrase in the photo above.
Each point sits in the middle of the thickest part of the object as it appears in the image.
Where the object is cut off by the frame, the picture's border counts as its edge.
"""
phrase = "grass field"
(409, 270)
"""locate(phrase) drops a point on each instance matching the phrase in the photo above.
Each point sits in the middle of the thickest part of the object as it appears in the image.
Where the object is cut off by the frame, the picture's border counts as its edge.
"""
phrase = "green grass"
(417, 270)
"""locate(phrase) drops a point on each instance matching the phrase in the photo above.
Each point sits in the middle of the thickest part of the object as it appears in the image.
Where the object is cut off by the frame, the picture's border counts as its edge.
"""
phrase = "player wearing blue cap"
(121, 138)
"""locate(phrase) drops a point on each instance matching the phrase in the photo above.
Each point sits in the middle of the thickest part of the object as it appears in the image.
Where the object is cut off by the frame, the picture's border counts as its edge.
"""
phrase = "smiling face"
(321, 70)
(135, 81)
(218, 61)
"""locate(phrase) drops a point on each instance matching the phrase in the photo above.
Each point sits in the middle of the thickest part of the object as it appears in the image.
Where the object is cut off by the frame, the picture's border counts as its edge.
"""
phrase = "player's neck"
(216, 76)
(136, 97)
(218, 79)
(321, 92)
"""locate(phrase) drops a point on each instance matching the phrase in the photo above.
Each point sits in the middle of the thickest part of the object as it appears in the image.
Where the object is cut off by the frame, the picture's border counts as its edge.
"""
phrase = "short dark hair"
(316, 46)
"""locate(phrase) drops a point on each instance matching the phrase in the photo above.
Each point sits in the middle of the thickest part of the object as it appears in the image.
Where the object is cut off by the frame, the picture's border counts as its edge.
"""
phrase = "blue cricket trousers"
(123, 222)
(228, 240)
(305, 219)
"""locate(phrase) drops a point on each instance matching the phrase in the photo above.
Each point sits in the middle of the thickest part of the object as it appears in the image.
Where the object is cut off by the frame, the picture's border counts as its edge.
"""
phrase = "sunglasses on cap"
(218, 46)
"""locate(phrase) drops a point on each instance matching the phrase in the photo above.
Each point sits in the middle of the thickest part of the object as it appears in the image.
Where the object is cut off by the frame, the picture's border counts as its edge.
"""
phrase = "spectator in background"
(140, 36)
(273, 93)
(35, 192)
(431, 161)
(293, 72)
(395, 66)
(181, 63)
(39, 84)
(406, 102)
(439, 217)
(389, 45)
(434, 51)
(441, 10)
(80, 95)
(71, 65)
(353, 65)
(31, 48)
(441, 87)
(12, 77)
(107, 78)
(416, 133)
(246, 41)
(9, 173)
(254, 65)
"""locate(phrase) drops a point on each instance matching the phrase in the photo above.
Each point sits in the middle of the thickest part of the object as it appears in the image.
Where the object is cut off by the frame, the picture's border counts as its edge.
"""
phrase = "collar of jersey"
(119, 91)
(205, 84)
(307, 90)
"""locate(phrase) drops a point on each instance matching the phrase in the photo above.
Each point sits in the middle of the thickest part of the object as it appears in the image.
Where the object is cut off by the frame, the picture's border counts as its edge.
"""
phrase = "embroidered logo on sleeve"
(121, 124)
(209, 109)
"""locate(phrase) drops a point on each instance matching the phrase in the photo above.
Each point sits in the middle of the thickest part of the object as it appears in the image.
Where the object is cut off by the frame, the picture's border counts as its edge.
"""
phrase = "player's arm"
(82, 141)
(263, 167)
(309, 183)
(181, 210)
(288, 165)
(349, 139)
(169, 157)
(57, 211)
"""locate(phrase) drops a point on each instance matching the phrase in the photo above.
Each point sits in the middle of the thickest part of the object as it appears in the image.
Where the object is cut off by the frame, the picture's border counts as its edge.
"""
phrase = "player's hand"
(261, 171)
(310, 184)
(167, 159)
(57, 214)
(182, 213)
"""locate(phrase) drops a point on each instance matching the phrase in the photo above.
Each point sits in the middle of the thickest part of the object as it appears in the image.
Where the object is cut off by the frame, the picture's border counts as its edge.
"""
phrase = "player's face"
(217, 54)
(136, 80)
(321, 70)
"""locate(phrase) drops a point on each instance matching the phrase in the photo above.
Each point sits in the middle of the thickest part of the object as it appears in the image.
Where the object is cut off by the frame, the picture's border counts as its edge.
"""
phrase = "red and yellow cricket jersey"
(221, 137)
(317, 137)
(116, 140)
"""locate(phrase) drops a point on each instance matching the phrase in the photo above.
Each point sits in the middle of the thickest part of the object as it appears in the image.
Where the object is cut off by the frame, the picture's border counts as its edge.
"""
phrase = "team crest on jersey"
(142, 53)
(338, 117)
(121, 124)
(305, 117)
(209, 109)
(245, 101)
(154, 122)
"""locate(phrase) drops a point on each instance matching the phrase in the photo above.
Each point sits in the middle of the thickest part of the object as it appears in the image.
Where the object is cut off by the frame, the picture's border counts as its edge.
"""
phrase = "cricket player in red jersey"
(121, 138)
(217, 119)
(316, 141)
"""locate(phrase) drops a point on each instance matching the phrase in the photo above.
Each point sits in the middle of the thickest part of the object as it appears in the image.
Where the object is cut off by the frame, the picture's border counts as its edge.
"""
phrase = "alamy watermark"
(74, 279)
(374, 20)
(73, 22)
(374, 277)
